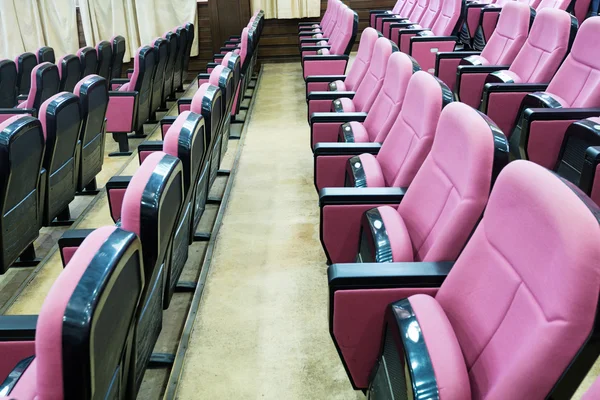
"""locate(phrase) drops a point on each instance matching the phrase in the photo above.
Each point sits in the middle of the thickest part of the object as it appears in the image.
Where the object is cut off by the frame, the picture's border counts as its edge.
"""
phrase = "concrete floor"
(262, 331)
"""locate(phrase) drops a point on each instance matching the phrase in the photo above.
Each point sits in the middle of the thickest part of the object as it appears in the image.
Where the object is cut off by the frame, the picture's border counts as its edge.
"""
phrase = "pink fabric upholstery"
(357, 325)
(244, 46)
(324, 67)
(214, 75)
(444, 350)
(171, 140)
(13, 353)
(361, 62)
(130, 213)
(119, 114)
(509, 36)
(48, 338)
(372, 170)
(513, 298)
(4, 124)
(42, 114)
(447, 18)
(454, 183)
(578, 78)
(373, 79)
(544, 49)
(411, 137)
(67, 254)
(330, 171)
(27, 385)
(389, 100)
(196, 105)
(60, 66)
(115, 198)
(397, 231)
(595, 194)
(30, 102)
(136, 73)
(348, 104)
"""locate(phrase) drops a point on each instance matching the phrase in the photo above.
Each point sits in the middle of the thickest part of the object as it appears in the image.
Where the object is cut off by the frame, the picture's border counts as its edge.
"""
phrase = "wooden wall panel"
(280, 42)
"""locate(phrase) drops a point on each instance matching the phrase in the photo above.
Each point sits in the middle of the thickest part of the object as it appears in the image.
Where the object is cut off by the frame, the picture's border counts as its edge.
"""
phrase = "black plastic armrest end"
(324, 78)
(119, 81)
(387, 275)
(329, 95)
(348, 195)
(336, 148)
(558, 114)
(73, 237)
(314, 48)
(324, 117)
(118, 182)
(170, 120)
(151, 145)
(185, 100)
(327, 57)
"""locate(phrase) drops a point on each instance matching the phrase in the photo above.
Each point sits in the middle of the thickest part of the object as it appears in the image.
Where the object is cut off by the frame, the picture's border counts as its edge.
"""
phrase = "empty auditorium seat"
(147, 204)
(439, 209)
(365, 93)
(186, 139)
(500, 51)
(129, 100)
(69, 70)
(479, 333)
(423, 44)
(546, 46)
(118, 46)
(395, 162)
(182, 44)
(45, 84)
(48, 352)
(161, 51)
(104, 53)
(580, 155)
(488, 19)
(8, 84)
(172, 44)
(89, 61)
(60, 116)
(45, 54)
(25, 64)
(359, 67)
(93, 101)
(331, 58)
(22, 148)
(571, 95)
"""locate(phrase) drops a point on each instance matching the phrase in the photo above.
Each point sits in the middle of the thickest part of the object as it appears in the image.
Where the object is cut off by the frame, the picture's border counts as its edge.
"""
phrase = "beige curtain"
(138, 21)
(59, 24)
(286, 9)
(20, 27)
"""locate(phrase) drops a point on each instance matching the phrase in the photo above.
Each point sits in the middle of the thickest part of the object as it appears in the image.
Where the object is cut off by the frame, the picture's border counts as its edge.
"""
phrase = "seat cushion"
(26, 385)
(124, 87)
(443, 348)
(22, 105)
(347, 104)
(402, 249)
(324, 52)
(372, 170)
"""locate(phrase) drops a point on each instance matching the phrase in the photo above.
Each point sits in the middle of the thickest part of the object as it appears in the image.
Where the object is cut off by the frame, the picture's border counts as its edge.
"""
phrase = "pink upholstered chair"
(331, 33)
(69, 70)
(548, 42)
(22, 145)
(93, 103)
(395, 162)
(331, 58)
(89, 61)
(45, 54)
(499, 52)
(232, 62)
(60, 116)
(130, 100)
(522, 276)
(104, 56)
(25, 63)
(59, 356)
(185, 139)
(440, 208)
(423, 44)
(571, 95)
(356, 73)
(327, 24)
(8, 84)
(118, 52)
(364, 95)
(386, 106)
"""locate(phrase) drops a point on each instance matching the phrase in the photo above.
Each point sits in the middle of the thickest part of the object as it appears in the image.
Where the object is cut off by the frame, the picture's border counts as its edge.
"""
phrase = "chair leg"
(27, 258)
(123, 140)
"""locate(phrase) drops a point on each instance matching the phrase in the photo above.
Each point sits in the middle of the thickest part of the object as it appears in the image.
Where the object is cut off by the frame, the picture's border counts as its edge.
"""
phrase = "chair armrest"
(387, 275)
(148, 147)
(21, 98)
(70, 241)
(337, 117)
(307, 34)
(17, 328)
(115, 192)
(337, 149)
(329, 95)
(325, 57)
(314, 48)
(165, 124)
(235, 37)
(324, 78)
(119, 81)
(452, 55)
(348, 195)
(307, 23)
(558, 114)
(211, 65)
(312, 40)
(218, 56)
(232, 42)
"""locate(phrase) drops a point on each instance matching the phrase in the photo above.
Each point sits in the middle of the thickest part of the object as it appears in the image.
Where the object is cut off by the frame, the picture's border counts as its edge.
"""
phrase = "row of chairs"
(106, 60)
(437, 242)
(134, 265)
(158, 72)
